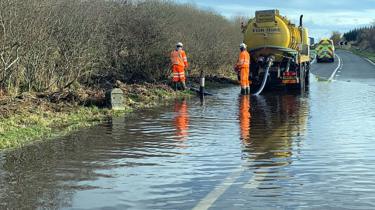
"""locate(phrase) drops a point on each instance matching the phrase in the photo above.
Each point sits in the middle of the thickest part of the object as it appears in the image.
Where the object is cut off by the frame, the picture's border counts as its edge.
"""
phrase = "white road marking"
(210, 199)
(253, 183)
(312, 62)
(256, 180)
(337, 68)
(370, 61)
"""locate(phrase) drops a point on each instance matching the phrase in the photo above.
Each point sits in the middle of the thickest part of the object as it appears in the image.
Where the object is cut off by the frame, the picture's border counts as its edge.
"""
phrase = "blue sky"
(320, 16)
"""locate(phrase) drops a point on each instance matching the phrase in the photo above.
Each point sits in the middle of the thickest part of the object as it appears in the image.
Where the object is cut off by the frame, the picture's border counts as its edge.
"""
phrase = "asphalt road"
(347, 67)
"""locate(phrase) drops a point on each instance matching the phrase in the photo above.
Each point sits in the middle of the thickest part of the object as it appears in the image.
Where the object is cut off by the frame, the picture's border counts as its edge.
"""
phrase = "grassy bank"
(36, 116)
(364, 53)
(26, 127)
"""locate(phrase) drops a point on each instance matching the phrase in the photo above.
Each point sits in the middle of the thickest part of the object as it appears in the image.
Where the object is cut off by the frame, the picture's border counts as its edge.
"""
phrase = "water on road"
(275, 151)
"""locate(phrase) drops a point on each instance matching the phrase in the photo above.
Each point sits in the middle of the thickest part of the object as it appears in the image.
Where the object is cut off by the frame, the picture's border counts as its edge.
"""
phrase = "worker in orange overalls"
(179, 65)
(181, 120)
(245, 118)
(243, 68)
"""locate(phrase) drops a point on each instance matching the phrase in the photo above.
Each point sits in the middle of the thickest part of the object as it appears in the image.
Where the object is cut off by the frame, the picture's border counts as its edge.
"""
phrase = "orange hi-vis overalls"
(243, 65)
(179, 63)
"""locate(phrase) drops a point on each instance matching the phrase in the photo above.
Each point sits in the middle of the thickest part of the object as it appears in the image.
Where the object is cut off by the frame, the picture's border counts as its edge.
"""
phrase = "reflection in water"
(245, 118)
(276, 122)
(181, 120)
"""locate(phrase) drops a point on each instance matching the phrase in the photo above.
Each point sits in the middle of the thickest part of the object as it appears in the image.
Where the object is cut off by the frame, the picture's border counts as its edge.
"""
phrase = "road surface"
(347, 67)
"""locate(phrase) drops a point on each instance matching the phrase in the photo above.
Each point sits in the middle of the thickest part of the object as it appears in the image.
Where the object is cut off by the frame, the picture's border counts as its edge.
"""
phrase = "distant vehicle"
(325, 51)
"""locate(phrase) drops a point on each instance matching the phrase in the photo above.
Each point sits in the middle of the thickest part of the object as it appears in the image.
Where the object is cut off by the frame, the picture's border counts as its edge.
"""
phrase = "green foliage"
(351, 35)
(364, 37)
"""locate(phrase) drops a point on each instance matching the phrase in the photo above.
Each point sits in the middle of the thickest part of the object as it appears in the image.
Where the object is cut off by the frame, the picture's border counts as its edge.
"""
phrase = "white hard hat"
(243, 45)
(179, 44)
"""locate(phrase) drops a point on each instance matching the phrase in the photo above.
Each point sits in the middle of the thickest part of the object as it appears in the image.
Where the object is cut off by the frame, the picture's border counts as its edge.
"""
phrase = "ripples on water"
(310, 151)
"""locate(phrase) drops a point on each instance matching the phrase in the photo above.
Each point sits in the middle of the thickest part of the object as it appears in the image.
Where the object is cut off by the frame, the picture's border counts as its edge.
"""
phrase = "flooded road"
(276, 151)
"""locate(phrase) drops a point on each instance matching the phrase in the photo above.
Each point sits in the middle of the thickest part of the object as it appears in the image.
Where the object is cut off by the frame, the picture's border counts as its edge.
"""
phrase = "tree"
(336, 37)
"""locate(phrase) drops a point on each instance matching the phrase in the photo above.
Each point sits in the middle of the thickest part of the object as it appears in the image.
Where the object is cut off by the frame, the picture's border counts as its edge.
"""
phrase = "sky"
(321, 17)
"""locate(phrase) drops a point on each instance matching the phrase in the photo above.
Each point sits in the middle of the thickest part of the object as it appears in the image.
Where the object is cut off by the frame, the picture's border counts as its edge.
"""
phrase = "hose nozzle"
(270, 60)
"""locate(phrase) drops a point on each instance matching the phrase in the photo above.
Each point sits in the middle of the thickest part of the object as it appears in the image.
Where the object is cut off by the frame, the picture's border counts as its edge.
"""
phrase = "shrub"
(48, 45)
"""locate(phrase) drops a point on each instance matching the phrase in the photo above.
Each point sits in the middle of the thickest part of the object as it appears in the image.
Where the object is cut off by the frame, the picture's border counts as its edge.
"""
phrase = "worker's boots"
(248, 91)
(183, 84)
(179, 86)
(243, 91)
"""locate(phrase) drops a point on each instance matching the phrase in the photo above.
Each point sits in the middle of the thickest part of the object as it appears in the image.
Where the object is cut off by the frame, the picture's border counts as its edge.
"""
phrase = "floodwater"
(276, 151)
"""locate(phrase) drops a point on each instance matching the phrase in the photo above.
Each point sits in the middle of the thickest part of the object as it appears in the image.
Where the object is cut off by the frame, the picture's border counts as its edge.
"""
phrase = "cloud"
(321, 16)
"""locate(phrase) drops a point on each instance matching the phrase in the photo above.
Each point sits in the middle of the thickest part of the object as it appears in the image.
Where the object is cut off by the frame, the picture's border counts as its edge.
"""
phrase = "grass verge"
(364, 53)
(31, 118)
(23, 128)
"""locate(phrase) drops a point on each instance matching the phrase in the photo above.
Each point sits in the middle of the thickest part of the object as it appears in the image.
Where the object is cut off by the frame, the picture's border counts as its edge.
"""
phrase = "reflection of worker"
(243, 67)
(245, 118)
(179, 65)
(181, 121)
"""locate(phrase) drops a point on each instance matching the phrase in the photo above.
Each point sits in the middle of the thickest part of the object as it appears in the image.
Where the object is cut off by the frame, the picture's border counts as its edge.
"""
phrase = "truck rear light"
(289, 73)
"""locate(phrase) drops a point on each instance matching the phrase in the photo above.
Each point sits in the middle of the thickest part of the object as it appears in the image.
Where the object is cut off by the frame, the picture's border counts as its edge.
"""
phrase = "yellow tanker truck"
(279, 49)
